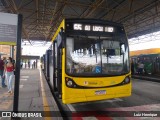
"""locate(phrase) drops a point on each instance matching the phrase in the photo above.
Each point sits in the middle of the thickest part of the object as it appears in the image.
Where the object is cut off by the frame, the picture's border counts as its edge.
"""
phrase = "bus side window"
(122, 49)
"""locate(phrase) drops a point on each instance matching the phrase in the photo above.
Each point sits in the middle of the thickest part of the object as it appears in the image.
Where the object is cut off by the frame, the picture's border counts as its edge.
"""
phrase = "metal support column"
(18, 59)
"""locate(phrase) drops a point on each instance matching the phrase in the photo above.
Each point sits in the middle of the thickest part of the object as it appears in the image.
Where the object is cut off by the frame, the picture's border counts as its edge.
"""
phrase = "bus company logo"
(92, 83)
(85, 83)
(6, 114)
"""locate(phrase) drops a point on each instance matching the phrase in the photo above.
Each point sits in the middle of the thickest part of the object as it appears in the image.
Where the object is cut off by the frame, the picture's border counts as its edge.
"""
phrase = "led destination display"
(97, 28)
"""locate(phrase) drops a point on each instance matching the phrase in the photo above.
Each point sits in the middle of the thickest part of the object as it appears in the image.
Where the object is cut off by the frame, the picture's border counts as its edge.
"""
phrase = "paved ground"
(145, 99)
(154, 78)
(34, 96)
(6, 99)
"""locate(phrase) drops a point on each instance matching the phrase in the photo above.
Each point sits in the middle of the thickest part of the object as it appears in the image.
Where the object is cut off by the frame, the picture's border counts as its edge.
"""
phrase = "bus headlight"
(126, 80)
(69, 83)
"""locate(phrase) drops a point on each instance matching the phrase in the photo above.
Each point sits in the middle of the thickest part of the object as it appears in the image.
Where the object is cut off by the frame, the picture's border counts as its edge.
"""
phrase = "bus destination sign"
(97, 28)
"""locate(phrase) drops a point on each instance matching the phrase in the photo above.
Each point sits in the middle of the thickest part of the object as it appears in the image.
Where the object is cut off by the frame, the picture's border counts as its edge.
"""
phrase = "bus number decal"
(100, 92)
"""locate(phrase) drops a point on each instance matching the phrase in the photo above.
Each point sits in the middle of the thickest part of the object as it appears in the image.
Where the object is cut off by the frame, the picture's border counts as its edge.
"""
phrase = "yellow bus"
(89, 61)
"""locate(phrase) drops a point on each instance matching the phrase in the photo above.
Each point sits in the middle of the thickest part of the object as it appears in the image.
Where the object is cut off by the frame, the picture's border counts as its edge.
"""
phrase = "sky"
(31, 50)
(148, 41)
(39, 49)
(146, 45)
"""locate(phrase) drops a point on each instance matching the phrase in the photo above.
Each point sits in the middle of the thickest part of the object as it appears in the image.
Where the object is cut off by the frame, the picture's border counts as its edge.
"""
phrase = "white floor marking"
(24, 77)
(111, 100)
(114, 100)
(21, 86)
(150, 107)
(89, 118)
(103, 101)
(71, 107)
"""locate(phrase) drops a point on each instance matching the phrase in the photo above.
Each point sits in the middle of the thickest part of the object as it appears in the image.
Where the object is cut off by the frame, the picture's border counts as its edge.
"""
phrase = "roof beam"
(44, 12)
(21, 7)
(37, 9)
(15, 10)
(91, 9)
(113, 8)
(149, 18)
(139, 11)
(130, 7)
(80, 4)
(57, 15)
(29, 16)
(32, 28)
(30, 24)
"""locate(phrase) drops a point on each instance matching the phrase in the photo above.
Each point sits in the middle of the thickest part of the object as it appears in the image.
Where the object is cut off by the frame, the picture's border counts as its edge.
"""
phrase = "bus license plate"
(100, 92)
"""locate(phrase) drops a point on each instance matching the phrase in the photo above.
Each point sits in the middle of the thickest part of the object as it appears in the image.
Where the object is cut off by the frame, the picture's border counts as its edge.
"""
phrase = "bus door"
(57, 66)
(59, 70)
(47, 64)
(55, 86)
(51, 65)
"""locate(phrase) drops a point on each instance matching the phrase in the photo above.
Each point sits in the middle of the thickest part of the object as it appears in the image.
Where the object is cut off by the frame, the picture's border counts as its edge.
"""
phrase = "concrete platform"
(34, 96)
(154, 78)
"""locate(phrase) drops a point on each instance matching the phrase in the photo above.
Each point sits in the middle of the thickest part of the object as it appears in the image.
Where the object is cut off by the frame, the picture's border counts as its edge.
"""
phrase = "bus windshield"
(94, 55)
